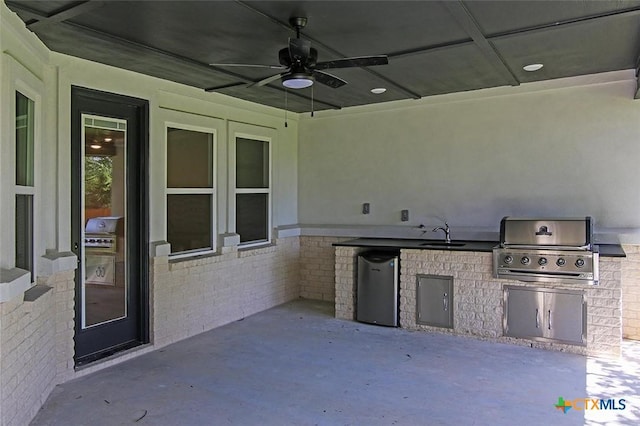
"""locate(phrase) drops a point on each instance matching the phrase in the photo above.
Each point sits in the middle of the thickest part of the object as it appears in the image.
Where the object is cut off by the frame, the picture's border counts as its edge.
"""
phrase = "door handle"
(549, 319)
(445, 302)
(537, 318)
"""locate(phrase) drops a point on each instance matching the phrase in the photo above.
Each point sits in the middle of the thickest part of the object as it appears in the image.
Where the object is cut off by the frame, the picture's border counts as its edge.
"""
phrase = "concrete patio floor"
(297, 365)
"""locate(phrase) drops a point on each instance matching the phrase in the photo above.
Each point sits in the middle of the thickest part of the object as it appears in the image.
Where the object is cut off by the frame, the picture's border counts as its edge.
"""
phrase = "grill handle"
(586, 247)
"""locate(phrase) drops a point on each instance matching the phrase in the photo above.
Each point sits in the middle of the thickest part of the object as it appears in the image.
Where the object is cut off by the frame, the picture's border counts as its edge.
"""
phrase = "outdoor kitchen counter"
(478, 297)
(606, 250)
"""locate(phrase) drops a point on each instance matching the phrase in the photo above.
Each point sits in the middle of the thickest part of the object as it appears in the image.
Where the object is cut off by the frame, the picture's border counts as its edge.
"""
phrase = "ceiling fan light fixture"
(297, 81)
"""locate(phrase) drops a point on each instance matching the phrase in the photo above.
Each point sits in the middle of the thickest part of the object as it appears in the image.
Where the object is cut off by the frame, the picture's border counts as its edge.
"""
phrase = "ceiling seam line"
(60, 16)
(562, 24)
(427, 49)
(284, 25)
(467, 21)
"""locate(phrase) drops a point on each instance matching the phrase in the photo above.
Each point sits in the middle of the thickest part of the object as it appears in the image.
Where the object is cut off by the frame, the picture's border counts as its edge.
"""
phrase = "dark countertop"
(408, 243)
(611, 250)
(606, 250)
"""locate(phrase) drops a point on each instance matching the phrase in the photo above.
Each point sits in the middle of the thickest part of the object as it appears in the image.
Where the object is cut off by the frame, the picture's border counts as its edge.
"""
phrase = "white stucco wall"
(561, 148)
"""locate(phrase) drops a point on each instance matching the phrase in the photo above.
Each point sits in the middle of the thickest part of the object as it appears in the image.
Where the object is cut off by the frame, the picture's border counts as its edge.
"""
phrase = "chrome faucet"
(447, 232)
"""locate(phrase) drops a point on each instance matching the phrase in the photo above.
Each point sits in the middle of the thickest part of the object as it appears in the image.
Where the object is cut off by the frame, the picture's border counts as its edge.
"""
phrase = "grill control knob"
(542, 261)
(580, 263)
(561, 262)
(508, 259)
(525, 260)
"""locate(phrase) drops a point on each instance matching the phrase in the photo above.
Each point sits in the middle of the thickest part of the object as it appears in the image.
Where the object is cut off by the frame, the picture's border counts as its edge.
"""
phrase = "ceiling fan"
(301, 69)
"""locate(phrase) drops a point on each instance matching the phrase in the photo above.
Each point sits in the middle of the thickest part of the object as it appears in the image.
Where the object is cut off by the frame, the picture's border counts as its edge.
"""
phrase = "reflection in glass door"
(104, 276)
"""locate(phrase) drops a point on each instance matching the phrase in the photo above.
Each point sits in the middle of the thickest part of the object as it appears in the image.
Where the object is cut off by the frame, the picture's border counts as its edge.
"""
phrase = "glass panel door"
(104, 284)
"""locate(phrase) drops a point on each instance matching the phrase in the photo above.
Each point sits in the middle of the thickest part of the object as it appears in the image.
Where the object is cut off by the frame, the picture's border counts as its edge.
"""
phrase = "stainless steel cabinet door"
(565, 317)
(435, 301)
(524, 313)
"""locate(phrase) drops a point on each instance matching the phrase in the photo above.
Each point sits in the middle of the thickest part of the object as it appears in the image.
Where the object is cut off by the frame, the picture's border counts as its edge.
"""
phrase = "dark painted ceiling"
(434, 47)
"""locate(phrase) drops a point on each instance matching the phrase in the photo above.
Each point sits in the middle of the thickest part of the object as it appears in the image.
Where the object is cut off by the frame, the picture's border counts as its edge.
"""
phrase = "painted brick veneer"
(317, 267)
(36, 348)
(631, 293)
(478, 297)
(193, 296)
(345, 281)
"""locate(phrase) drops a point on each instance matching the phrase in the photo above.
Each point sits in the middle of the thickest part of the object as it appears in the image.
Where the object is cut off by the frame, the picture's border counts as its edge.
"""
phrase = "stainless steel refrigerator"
(377, 290)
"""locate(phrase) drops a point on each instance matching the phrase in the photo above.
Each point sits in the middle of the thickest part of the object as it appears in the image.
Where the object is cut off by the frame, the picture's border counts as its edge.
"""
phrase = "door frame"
(137, 225)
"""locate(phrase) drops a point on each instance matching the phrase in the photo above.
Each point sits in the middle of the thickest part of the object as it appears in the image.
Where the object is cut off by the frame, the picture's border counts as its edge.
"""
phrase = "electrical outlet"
(404, 215)
(366, 208)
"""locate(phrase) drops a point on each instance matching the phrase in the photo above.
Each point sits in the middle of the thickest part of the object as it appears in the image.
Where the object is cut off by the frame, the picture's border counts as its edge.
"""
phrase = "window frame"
(19, 79)
(253, 133)
(211, 191)
(25, 190)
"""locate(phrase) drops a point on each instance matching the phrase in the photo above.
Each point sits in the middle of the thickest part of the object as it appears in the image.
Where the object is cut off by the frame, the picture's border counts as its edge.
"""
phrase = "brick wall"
(345, 281)
(36, 347)
(604, 310)
(63, 284)
(196, 295)
(478, 297)
(317, 267)
(631, 293)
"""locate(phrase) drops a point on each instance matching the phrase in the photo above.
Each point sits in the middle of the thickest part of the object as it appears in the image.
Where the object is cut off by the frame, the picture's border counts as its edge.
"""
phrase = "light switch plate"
(365, 208)
(404, 215)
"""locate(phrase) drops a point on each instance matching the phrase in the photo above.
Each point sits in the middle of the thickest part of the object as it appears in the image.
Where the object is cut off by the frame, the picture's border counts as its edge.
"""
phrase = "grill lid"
(561, 233)
(102, 225)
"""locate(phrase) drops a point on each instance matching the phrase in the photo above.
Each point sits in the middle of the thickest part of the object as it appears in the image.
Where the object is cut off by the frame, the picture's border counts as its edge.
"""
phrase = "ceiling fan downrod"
(298, 23)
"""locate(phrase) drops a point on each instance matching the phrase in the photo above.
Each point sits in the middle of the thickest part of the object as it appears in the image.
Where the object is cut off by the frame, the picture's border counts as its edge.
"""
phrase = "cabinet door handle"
(549, 319)
(445, 302)
(537, 318)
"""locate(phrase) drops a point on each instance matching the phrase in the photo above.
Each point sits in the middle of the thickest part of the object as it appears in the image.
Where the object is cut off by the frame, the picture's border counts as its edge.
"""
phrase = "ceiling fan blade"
(361, 61)
(275, 67)
(299, 50)
(328, 79)
(267, 80)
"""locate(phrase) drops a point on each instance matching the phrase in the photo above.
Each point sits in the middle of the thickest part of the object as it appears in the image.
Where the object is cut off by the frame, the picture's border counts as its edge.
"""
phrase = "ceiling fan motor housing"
(285, 59)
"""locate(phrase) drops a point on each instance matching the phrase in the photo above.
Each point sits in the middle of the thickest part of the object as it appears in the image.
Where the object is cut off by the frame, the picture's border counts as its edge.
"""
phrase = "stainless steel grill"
(102, 249)
(533, 249)
(100, 234)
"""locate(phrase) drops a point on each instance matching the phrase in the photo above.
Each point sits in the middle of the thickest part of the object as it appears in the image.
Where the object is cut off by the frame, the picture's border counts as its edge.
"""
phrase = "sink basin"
(442, 244)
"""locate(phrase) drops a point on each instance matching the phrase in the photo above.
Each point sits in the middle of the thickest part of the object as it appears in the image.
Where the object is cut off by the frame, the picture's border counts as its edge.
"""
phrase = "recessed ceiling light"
(95, 146)
(108, 139)
(378, 90)
(532, 67)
